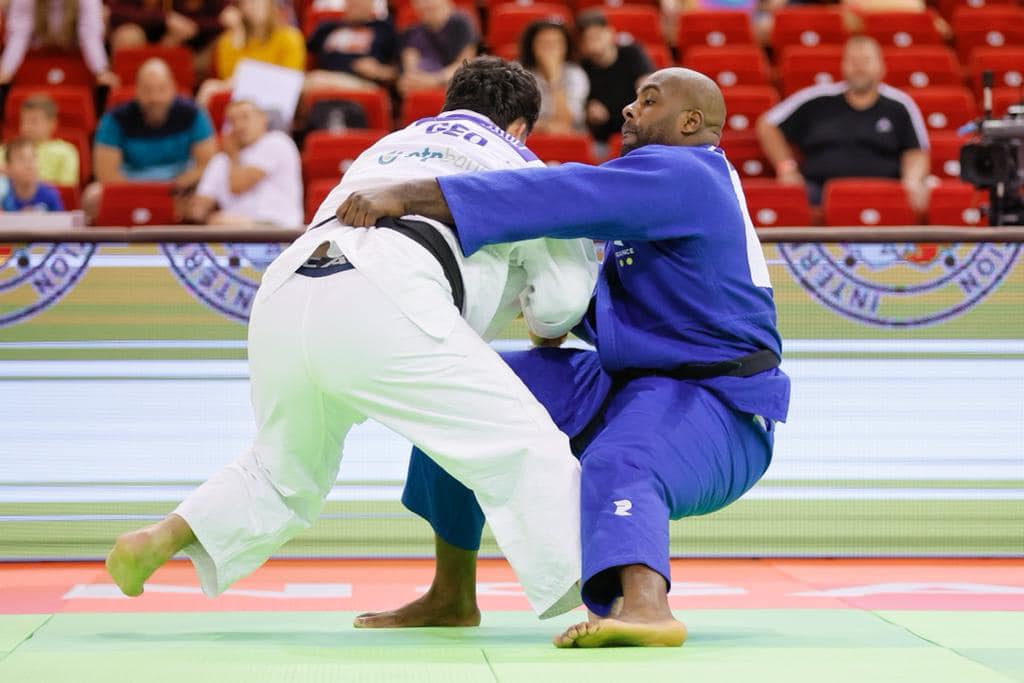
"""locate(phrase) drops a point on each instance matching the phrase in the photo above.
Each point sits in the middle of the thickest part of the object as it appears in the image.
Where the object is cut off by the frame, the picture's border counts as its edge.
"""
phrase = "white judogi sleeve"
(560, 278)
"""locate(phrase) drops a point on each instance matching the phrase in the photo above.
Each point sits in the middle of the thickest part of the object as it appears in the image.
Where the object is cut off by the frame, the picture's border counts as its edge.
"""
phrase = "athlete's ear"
(691, 121)
(519, 129)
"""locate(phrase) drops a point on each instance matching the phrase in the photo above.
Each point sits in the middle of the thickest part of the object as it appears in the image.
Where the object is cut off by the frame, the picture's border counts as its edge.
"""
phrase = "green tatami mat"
(834, 646)
(14, 628)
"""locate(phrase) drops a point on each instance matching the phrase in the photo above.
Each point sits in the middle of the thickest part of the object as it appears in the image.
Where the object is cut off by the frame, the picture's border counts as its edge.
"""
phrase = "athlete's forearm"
(422, 197)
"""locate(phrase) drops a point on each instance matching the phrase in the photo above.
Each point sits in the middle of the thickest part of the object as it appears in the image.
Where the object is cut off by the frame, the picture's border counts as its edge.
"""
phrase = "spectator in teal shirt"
(158, 136)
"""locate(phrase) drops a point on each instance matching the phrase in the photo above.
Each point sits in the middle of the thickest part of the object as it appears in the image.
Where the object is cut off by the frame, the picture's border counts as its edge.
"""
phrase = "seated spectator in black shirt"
(613, 71)
(358, 52)
(858, 127)
(435, 47)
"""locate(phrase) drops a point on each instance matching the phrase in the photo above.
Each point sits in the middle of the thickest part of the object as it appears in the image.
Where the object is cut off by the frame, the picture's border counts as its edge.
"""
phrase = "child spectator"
(544, 49)
(27, 193)
(57, 159)
(436, 46)
(61, 24)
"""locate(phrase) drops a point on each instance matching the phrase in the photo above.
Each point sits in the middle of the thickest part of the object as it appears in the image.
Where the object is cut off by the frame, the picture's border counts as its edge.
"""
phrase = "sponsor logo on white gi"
(225, 277)
(445, 155)
(899, 284)
(33, 277)
(623, 507)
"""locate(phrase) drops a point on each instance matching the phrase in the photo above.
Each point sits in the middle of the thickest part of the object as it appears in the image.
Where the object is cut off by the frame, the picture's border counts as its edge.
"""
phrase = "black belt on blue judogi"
(744, 366)
(427, 237)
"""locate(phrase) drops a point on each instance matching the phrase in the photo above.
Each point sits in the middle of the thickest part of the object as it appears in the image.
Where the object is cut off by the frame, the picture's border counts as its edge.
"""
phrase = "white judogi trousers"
(325, 354)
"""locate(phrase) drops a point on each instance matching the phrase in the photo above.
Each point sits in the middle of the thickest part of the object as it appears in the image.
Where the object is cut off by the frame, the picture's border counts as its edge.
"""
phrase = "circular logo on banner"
(33, 277)
(899, 285)
(222, 276)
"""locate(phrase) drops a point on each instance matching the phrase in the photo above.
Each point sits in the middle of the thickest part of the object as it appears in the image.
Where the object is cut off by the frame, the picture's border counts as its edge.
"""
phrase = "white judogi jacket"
(549, 280)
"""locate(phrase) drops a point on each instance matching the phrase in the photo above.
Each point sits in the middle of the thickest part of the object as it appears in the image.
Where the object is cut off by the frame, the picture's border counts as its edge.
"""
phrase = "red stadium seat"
(808, 26)
(945, 107)
(316, 193)
(375, 103)
(945, 154)
(136, 204)
(713, 28)
(947, 8)
(732, 65)
(995, 26)
(1005, 63)
(75, 108)
(216, 107)
(1003, 98)
(327, 155)
(508, 20)
(126, 63)
(744, 151)
(642, 22)
(921, 67)
(903, 29)
(581, 5)
(744, 104)
(420, 104)
(560, 148)
(801, 67)
(866, 201)
(70, 196)
(659, 55)
(54, 68)
(773, 205)
(955, 203)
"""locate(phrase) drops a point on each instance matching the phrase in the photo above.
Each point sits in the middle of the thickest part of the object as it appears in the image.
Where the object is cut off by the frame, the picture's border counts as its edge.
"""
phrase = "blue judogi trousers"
(651, 448)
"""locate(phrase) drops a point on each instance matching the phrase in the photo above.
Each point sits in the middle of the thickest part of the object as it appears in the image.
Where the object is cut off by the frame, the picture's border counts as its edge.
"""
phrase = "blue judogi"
(684, 283)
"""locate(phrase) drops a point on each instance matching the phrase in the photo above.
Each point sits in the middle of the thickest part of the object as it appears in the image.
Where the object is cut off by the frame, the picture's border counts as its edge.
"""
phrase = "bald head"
(677, 107)
(155, 90)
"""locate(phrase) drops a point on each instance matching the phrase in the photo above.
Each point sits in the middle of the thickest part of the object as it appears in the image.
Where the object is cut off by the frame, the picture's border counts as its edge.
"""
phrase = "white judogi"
(384, 341)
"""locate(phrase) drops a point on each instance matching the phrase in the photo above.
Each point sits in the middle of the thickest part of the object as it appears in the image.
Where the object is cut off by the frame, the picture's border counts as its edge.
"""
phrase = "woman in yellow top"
(254, 31)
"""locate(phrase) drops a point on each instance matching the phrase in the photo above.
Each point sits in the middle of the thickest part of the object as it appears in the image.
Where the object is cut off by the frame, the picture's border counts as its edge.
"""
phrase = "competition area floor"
(928, 621)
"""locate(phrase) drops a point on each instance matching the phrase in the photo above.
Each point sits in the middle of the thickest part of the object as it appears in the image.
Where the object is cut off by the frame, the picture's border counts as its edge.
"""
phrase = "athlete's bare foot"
(430, 610)
(619, 633)
(137, 554)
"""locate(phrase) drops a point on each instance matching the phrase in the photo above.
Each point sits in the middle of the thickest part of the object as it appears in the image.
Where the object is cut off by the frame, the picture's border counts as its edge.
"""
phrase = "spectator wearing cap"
(26, 192)
(158, 136)
(545, 48)
(858, 127)
(56, 24)
(257, 178)
(613, 72)
(436, 46)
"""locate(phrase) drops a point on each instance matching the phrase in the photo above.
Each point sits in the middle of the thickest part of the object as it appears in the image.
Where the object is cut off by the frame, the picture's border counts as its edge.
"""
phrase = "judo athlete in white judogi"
(350, 324)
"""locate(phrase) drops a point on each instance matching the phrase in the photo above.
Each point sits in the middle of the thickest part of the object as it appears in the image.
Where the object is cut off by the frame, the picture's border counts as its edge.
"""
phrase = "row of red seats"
(847, 202)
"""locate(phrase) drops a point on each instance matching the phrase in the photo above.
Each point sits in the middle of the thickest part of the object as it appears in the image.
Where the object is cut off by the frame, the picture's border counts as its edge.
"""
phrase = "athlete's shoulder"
(467, 126)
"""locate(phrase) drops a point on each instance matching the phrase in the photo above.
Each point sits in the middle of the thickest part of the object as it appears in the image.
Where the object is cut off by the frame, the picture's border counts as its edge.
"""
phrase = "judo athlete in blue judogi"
(673, 415)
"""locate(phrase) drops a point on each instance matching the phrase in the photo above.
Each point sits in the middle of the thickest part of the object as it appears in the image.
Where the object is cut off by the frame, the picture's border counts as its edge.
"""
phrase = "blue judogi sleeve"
(653, 193)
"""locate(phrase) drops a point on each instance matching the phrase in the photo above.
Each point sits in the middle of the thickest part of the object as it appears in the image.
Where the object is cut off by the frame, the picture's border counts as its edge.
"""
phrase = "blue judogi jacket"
(676, 286)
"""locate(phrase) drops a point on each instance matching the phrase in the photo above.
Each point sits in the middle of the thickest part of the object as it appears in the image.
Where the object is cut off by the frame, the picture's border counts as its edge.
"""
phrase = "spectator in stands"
(858, 127)
(193, 23)
(158, 136)
(254, 31)
(612, 70)
(26, 192)
(436, 46)
(358, 52)
(57, 159)
(257, 178)
(545, 49)
(56, 24)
